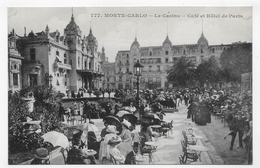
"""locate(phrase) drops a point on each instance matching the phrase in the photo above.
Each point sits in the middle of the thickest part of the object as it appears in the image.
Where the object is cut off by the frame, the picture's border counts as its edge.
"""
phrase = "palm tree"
(183, 72)
(208, 72)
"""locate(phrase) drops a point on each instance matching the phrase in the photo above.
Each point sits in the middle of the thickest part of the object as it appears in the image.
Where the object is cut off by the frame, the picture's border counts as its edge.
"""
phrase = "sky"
(150, 25)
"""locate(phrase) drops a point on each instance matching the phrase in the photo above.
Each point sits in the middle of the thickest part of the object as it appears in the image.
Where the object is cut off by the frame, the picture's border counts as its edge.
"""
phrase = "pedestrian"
(61, 112)
(41, 157)
(237, 126)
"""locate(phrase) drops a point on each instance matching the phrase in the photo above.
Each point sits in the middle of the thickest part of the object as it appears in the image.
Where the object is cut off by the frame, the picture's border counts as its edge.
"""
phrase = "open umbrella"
(153, 118)
(131, 118)
(112, 120)
(88, 127)
(122, 112)
(56, 139)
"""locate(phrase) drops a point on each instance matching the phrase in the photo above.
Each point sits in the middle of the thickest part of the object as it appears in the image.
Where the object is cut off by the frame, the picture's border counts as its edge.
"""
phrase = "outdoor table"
(155, 126)
(90, 152)
(196, 137)
(190, 129)
(139, 159)
(151, 143)
(199, 149)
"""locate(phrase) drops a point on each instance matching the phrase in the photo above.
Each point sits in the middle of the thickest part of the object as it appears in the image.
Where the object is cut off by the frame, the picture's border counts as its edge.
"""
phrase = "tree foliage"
(182, 72)
(208, 71)
(46, 108)
(236, 60)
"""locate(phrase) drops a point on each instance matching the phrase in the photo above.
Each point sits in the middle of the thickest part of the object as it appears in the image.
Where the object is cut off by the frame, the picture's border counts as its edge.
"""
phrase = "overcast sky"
(118, 33)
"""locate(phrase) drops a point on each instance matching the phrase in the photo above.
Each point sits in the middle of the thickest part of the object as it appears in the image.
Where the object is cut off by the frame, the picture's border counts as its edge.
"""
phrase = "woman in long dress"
(126, 146)
(103, 150)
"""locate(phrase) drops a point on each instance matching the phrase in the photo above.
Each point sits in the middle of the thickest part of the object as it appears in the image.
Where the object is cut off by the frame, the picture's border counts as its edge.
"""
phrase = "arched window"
(151, 53)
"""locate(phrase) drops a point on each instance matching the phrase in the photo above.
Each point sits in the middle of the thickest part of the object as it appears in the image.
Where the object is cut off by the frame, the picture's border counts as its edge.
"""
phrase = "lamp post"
(138, 72)
(130, 76)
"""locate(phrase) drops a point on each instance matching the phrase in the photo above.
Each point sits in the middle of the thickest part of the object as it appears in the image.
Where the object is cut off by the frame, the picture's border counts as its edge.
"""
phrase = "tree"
(236, 60)
(208, 71)
(183, 72)
(46, 106)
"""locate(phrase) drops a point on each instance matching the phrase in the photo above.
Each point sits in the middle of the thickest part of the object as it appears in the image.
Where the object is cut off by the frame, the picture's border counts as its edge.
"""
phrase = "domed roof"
(72, 25)
(91, 39)
(167, 40)
(136, 43)
(201, 39)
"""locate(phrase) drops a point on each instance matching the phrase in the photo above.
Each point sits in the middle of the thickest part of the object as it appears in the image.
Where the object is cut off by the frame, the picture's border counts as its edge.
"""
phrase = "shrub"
(46, 108)
(97, 93)
(104, 102)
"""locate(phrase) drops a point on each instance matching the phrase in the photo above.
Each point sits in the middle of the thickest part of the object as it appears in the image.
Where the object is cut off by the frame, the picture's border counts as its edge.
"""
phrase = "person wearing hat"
(113, 143)
(32, 139)
(41, 156)
(126, 146)
(238, 126)
(75, 154)
(111, 132)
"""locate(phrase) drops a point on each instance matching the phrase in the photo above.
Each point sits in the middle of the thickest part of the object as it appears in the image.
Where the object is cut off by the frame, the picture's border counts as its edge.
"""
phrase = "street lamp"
(48, 79)
(130, 76)
(138, 72)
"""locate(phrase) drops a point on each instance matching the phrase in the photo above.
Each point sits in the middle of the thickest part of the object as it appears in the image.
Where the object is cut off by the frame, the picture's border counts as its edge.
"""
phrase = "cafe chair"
(64, 152)
(189, 155)
(113, 160)
(186, 140)
(181, 159)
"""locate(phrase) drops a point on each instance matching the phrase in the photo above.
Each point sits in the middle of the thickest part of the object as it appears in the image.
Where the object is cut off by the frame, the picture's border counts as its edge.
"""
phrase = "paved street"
(169, 147)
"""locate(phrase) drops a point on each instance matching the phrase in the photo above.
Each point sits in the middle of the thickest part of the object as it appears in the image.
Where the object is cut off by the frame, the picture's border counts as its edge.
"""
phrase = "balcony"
(64, 66)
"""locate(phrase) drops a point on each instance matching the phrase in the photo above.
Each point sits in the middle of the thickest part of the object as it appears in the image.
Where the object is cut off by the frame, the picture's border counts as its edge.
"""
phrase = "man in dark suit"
(130, 157)
(237, 126)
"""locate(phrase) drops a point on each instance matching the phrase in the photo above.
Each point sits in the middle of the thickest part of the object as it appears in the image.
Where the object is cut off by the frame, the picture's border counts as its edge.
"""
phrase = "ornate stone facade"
(73, 61)
(157, 59)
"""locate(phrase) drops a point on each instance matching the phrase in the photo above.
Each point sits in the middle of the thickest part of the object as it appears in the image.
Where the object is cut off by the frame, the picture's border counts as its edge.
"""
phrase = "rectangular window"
(213, 50)
(15, 79)
(32, 54)
(85, 64)
(150, 68)
(158, 60)
(57, 53)
(65, 59)
(166, 52)
(158, 68)
(166, 60)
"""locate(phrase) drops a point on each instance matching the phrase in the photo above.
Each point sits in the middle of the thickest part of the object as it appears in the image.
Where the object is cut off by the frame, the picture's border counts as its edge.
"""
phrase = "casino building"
(66, 61)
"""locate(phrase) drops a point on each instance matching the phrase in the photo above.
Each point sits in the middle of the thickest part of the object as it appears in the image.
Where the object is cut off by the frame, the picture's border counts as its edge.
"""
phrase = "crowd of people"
(122, 143)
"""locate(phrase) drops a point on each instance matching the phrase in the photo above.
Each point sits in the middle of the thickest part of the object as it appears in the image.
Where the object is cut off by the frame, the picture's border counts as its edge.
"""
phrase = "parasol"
(56, 139)
(154, 119)
(131, 118)
(122, 112)
(112, 120)
(151, 116)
